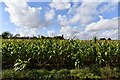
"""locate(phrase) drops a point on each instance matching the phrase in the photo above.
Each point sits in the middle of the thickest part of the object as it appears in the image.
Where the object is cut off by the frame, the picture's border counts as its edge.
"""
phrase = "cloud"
(27, 31)
(108, 7)
(99, 0)
(85, 13)
(26, 18)
(63, 21)
(103, 24)
(82, 35)
(52, 33)
(49, 15)
(73, 7)
(40, 8)
(69, 31)
(22, 15)
(29, 19)
(60, 5)
(113, 34)
(110, 34)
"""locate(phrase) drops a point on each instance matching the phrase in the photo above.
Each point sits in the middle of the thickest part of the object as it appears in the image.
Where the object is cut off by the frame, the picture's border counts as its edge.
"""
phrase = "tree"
(34, 37)
(17, 35)
(62, 36)
(95, 39)
(42, 37)
(102, 39)
(0, 36)
(39, 36)
(109, 38)
(6, 35)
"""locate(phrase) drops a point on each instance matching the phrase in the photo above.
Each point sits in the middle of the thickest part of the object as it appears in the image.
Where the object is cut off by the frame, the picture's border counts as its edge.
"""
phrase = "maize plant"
(56, 54)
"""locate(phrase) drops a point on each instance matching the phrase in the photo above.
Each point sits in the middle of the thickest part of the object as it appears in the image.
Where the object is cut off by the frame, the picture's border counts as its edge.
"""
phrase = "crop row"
(57, 54)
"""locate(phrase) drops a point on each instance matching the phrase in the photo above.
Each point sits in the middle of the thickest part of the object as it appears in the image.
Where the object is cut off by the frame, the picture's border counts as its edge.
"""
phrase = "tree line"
(8, 35)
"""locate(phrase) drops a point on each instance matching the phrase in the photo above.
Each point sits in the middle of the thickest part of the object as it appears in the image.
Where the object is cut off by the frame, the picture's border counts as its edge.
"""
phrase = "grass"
(63, 74)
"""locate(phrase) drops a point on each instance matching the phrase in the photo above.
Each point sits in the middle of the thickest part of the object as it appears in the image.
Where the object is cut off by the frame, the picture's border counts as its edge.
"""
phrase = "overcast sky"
(82, 20)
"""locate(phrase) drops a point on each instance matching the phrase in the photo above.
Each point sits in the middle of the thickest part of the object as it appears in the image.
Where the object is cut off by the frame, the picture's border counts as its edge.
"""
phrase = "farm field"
(54, 59)
(59, 40)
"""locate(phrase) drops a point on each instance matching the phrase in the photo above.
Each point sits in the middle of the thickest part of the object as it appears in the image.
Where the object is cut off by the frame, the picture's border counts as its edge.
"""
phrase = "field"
(77, 58)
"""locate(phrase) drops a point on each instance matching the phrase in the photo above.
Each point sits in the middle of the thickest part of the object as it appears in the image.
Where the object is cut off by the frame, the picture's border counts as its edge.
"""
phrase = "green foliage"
(83, 73)
(108, 72)
(57, 54)
(21, 65)
(63, 74)
(39, 74)
(6, 34)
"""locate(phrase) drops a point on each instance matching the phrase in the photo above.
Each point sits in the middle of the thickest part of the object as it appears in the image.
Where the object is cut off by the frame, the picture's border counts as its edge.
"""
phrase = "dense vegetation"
(105, 73)
(8, 35)
(55, 54)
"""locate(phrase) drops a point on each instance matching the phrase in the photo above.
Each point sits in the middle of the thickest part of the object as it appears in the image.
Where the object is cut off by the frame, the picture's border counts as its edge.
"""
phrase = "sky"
(74, 19)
